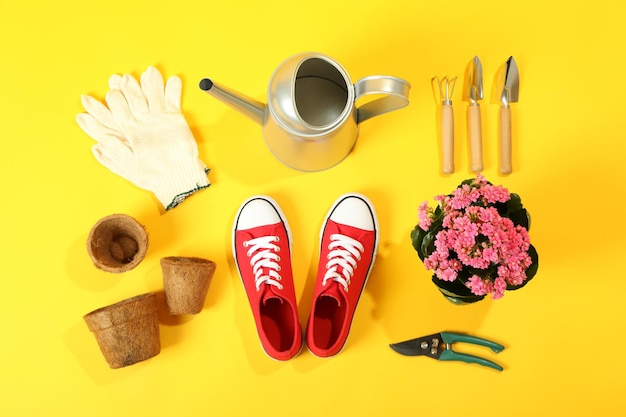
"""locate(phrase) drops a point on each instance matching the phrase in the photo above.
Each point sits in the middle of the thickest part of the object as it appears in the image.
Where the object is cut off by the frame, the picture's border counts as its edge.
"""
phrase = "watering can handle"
(396, 91)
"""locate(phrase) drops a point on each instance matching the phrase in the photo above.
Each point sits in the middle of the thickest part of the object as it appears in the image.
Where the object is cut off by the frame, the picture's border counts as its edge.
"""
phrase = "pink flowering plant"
(476, 242)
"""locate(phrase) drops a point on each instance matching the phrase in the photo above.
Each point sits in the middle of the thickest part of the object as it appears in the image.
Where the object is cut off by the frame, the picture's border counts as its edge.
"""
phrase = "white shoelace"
(344, 254)
(264, 260)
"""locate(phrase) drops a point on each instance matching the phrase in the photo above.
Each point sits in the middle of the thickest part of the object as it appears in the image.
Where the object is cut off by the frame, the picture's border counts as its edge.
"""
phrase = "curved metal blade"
(507, 83)
(431, 346)
(473, 86)
(408, 348)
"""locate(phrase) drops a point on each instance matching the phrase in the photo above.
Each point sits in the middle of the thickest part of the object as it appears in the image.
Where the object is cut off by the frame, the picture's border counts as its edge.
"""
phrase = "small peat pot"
(128, 331)
(117, 243)
(186, 282)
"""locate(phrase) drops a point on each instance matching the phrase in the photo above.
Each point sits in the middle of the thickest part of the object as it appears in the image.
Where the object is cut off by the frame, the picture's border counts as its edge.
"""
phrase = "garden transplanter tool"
(472, 93)
(445, 90)
(437, 346)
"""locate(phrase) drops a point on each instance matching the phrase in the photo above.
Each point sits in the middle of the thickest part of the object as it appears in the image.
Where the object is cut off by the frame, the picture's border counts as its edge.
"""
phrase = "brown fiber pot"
(186, 282)
(127, 332)
(117, 243)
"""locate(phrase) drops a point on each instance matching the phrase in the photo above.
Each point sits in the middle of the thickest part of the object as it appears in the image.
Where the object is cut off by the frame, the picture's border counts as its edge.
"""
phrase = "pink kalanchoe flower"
(487, 215)
(476, 285)
(490, 254)
(425, 216)
(480, 180)
(494, 194)
(499, 286)
(474, 235)
(480, 286)
(447, 274)
(462, 197)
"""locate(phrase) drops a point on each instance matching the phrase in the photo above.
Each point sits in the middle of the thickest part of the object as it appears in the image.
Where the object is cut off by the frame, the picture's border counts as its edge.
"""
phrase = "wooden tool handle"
(475, 138)
(505, 140)
(447, 139)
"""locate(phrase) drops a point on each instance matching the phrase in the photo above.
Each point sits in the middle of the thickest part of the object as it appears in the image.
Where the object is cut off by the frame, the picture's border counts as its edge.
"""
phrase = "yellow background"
(563, 332)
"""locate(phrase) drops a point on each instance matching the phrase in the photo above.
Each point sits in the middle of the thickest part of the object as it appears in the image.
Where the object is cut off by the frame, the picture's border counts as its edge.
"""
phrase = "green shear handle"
(449, 355)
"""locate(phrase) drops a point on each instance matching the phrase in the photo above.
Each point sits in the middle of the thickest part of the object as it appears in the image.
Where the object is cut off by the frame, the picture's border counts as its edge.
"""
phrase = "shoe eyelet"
(278, 259)
(276, 238)
(245, 243)
(278, 268)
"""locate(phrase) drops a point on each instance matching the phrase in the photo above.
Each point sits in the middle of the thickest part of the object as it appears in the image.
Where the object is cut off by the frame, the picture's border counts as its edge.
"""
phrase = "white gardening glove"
(143, 136)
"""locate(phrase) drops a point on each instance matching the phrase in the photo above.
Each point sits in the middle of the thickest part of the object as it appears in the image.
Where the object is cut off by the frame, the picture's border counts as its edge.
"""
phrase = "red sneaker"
(262, 252)
(348, 244)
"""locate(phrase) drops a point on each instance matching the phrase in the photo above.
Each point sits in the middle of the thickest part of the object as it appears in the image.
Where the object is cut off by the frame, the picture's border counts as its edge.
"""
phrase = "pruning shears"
(438, 346)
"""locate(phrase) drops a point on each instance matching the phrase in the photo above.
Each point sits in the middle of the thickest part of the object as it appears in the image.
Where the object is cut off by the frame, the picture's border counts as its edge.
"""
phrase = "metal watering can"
(311, 121)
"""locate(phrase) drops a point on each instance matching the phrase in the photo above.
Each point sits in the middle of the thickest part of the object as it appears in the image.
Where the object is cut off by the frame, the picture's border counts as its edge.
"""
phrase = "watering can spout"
(251, 108)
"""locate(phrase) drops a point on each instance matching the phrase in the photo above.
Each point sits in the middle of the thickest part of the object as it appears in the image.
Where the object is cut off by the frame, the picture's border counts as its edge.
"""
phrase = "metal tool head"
(431, 346)
(473, 86)
(507, 83)
(443, 88)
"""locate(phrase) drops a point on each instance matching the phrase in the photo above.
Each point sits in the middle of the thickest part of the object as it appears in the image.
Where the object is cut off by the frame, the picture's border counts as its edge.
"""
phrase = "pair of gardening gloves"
(143, 136)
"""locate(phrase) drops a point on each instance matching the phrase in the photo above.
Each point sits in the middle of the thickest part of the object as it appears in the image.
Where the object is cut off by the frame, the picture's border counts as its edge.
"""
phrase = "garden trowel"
(507, 91)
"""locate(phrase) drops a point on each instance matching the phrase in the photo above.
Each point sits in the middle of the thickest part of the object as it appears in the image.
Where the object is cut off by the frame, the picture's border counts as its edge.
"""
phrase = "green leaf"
(514, 204)
(428, 242)
(468, 181)
(520, 218)
(502, 209)
(417, 236)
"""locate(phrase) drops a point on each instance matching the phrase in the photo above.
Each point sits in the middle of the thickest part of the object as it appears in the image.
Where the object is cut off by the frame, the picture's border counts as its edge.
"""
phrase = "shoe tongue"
(270, 292)
(335, 291)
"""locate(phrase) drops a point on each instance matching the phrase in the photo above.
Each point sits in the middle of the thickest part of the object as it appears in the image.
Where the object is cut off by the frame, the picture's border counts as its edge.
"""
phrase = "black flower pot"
(456, 292)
